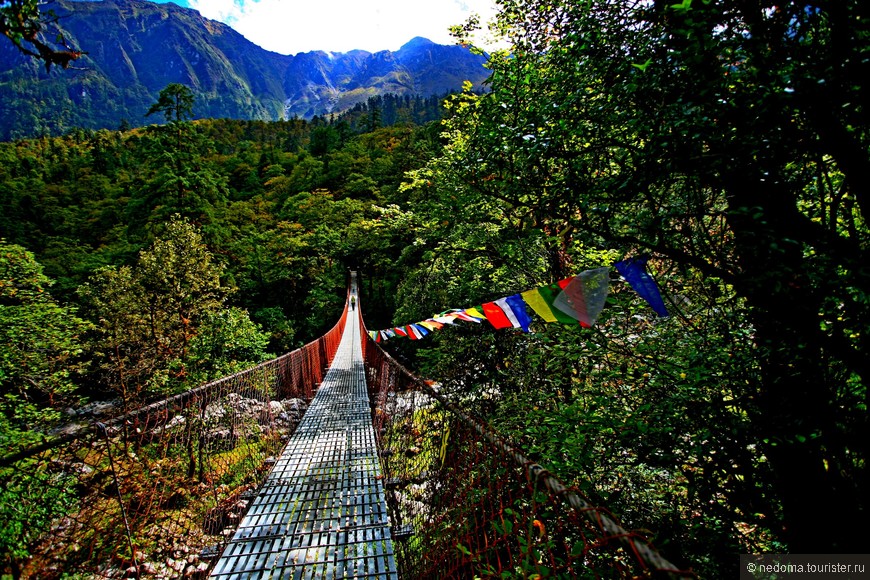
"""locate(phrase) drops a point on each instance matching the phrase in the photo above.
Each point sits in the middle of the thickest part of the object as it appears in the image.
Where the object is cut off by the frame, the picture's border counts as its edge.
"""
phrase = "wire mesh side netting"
(156, 492)
(464, 504)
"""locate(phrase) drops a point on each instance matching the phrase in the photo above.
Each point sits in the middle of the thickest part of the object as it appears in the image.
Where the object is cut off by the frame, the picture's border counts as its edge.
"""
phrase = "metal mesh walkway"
(321, 512)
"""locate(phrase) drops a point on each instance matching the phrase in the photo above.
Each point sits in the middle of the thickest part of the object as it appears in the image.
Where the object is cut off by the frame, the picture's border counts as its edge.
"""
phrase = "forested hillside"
(234, 238)
(725, 141)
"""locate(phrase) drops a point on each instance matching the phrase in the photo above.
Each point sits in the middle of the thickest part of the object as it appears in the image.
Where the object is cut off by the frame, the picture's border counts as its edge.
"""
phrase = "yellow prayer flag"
(430, 324)
(475, 312)
(534, 299)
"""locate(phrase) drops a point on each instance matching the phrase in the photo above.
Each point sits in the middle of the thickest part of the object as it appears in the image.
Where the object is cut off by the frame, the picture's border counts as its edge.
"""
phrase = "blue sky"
(293, 26)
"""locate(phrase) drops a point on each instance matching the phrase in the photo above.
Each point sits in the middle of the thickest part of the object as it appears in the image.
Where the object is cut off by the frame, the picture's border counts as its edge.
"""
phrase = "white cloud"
(226, 11)
(293, 26)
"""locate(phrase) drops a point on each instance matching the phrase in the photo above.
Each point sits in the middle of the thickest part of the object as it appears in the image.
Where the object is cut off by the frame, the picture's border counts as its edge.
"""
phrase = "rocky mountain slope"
(135, 48)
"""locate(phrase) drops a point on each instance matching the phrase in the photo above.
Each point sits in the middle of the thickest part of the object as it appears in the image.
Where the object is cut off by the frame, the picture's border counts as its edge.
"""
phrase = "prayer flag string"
(576, 300)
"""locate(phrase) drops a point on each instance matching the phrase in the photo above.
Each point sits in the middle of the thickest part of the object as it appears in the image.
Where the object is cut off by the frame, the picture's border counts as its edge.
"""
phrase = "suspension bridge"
(332, 461)
(322, 511)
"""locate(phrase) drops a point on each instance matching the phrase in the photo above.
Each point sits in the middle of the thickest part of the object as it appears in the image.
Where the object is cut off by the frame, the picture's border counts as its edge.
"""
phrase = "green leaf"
(642, 67)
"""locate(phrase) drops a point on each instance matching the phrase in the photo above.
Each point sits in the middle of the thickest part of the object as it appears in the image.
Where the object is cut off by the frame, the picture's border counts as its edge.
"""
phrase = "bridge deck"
(321, 512)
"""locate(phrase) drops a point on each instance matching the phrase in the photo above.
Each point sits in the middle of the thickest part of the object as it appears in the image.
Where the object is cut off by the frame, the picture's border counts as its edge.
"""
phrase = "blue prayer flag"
(634, 272)
(518, 306)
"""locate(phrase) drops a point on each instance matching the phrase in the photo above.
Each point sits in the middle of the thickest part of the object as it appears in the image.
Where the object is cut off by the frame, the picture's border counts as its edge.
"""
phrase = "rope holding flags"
(576, 300)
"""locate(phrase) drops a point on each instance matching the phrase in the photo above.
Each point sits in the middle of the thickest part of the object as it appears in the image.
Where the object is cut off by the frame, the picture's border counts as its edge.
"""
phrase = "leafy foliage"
(150, 314)
(693, 132)
(27, 508)
(267, 212)
(41, 347)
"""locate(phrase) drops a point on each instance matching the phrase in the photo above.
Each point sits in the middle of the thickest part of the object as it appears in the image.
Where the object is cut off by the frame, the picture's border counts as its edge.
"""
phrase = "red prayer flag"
(496, 316)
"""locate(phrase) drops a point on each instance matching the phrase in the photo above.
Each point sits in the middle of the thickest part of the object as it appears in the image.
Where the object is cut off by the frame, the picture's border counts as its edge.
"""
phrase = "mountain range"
(135, 48)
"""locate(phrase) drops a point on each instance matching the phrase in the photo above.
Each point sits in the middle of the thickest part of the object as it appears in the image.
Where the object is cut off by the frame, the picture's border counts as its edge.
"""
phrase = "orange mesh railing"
(156, 492)
(465, 504)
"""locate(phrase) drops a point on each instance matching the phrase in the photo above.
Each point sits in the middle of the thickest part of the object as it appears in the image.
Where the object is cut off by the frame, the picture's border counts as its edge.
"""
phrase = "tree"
(175, 102)
(149, 315)
(730, 140)
(39, 350)
(123, 360)
(183, 182)
(22, 23)
(226, 342)
(181, 281)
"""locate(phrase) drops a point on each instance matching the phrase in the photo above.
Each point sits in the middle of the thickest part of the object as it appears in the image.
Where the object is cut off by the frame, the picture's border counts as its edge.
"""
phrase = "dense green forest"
(171, 255)
(727, 140)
